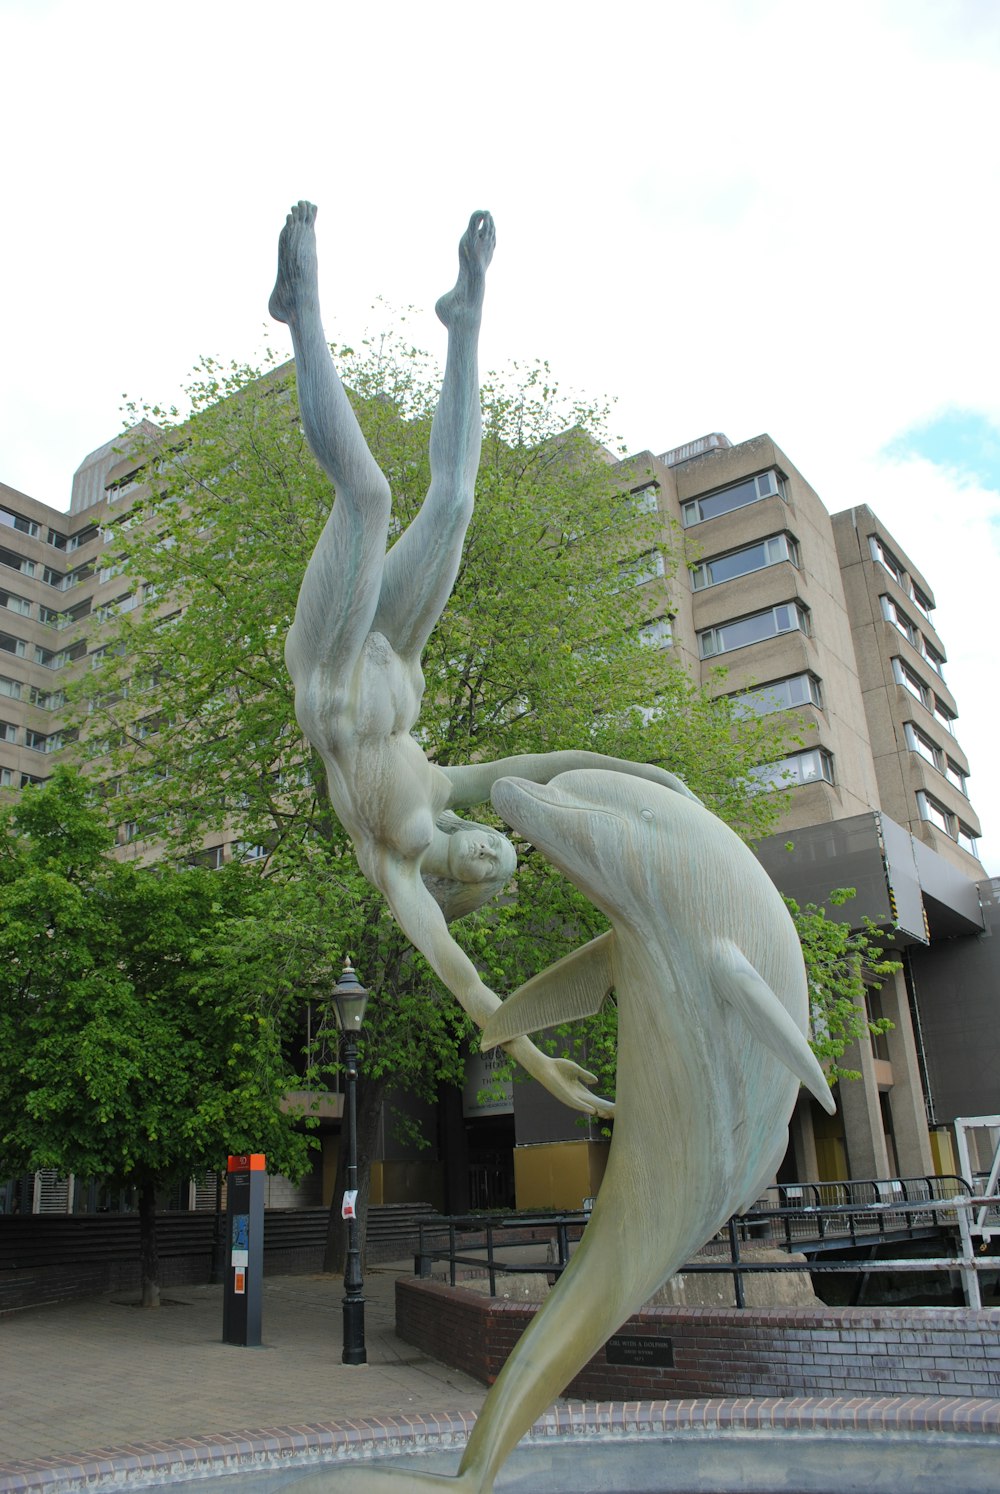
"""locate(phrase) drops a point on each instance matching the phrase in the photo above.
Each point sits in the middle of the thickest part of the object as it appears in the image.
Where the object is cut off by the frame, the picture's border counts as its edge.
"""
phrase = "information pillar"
(244, 1268)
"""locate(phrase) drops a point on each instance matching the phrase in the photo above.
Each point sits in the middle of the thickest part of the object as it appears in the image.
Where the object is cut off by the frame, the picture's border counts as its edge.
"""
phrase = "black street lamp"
(350, 999)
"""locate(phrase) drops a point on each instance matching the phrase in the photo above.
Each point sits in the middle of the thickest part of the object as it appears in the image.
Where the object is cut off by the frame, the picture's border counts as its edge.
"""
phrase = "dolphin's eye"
(646, 814)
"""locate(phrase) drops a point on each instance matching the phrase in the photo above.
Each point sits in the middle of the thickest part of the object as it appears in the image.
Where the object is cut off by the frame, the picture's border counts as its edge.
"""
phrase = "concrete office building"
(823, 619)
(827, 620)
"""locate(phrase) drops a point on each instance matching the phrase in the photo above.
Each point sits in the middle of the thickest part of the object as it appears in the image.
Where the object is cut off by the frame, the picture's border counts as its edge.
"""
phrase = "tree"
(841, 963)
(539, 649)
(141, 1043)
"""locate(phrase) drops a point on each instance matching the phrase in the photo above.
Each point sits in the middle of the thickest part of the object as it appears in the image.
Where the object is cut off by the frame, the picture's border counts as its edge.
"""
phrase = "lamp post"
(349, 999)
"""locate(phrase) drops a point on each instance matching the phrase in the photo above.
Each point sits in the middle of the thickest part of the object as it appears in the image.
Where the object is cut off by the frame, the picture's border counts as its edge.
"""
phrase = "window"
(242, 850)
(741, 562)
(29, 778)
(11, 688)
(109, 571)
(6, 778)
(49, 615)
(643, 500)
(934, 812)
(657, 633)
(905, 676)
(642, 569)
(85, 535)
(900, 621)
(39, 742)
(8, 731)
(73, 578)
(16, 646)
(13, 603)
(122, 485)
(885, 558)
(18, 521)
(47, 700)
(796, 769)
(934, 659)
(918, 742)
(780, 695)
(956, 776)
(753, 629)
(968, 840)
(944, 714)
(211, 858)
(130, 831)
(16, 562)
(750, 490)
(924, 603)
(57, 540)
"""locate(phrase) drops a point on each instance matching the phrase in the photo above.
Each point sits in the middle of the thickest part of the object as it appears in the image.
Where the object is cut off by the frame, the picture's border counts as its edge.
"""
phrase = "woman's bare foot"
(297, 287)
(464, 304)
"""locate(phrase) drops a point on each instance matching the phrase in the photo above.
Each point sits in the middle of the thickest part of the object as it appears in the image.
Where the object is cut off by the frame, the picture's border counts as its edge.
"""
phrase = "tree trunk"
(371, 1094)
(147, 1245)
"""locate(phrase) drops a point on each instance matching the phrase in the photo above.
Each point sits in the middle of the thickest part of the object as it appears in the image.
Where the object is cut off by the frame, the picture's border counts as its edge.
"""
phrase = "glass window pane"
(753, 558)
(730, 498)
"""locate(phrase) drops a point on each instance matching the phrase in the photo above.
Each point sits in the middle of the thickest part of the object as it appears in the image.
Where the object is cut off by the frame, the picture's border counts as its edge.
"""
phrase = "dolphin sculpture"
(713, 1013)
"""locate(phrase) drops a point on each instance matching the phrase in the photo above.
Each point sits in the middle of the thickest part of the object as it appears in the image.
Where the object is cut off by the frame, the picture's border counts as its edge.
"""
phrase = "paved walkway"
(100, 1372)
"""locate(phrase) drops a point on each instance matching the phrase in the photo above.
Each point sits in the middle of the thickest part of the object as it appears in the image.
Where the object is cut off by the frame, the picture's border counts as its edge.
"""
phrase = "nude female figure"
(361, 623)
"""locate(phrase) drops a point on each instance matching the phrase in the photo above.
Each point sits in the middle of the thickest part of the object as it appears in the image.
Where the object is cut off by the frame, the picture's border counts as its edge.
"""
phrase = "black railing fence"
(824, 1222)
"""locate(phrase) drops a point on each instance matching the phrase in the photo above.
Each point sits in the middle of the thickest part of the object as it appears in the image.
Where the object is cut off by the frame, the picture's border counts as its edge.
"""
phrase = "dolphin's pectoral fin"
(738, 982)
(573, 987)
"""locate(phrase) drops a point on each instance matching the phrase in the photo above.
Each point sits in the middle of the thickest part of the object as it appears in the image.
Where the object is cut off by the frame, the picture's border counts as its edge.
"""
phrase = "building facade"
(818, 620)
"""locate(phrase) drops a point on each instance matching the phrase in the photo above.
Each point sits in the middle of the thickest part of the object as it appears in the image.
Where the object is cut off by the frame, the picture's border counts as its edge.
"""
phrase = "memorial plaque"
(640, 1349)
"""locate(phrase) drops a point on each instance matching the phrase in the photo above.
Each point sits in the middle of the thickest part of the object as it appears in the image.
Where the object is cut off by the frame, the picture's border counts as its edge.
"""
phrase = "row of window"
(786, 694)
(920, 690)
(937, 814)
(10, 779)
(894, 614)
(58, 541)
(769, 623)
(884, 557)
(53, 616)
(919, 742)
(810, 766)
(48, 700)
(49, 658)
(38, 741)
(755, 557)
(737, 495)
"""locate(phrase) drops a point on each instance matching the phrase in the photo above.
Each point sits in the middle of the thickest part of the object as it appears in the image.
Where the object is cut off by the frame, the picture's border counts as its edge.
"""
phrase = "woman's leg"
(420, 568)
(341, 587)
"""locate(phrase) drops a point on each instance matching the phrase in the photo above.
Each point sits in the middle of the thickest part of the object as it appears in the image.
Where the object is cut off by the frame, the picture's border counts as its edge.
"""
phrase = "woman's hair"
(455, 898)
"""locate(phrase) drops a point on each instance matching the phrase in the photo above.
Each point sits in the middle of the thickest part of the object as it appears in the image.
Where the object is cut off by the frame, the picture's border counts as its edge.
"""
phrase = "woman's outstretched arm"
(473, 784)
(422, 921)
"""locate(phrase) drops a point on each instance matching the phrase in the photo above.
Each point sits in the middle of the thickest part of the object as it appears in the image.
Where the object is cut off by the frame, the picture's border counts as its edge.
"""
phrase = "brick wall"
(758, 1352)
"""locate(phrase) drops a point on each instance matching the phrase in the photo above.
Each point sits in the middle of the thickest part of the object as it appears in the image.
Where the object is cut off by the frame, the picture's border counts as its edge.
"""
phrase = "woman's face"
(480, 856)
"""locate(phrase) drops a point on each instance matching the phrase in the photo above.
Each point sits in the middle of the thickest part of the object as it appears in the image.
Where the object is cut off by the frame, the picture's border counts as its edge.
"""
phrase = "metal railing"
(899, 1210)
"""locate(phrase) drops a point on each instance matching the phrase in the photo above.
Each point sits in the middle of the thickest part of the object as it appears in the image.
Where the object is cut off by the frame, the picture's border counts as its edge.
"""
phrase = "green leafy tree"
(141, 1042)
(191, 710)
(841, 963)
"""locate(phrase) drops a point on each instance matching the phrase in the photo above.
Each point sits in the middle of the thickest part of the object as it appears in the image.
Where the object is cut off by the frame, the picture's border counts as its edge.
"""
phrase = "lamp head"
(349, 999)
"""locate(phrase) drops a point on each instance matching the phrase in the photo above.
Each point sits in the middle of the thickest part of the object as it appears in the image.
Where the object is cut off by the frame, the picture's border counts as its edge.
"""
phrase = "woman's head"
(480, 863)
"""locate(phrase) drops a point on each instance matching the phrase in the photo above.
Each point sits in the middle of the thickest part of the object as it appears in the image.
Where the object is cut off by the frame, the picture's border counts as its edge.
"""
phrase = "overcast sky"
(734, 215)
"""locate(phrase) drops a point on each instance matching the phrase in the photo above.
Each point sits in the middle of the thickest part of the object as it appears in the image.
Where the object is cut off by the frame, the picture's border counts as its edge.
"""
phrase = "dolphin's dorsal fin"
(573, 987)
(737, 982)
